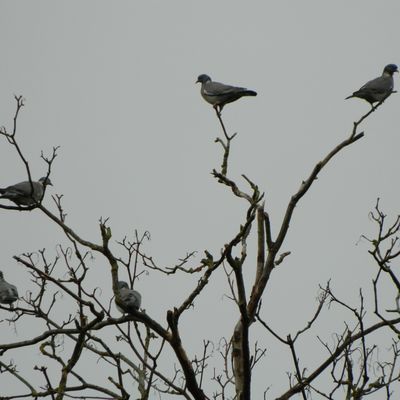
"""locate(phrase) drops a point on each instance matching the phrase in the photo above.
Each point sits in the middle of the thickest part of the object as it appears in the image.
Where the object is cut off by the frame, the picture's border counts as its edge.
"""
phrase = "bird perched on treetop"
(8, 292)
(219, 94)
(130, 299)
(25, 193)
(379, 88)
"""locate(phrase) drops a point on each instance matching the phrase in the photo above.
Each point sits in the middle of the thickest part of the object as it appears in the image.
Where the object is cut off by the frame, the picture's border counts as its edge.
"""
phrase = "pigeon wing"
(381, 85)
(22, 188)
(218, 89)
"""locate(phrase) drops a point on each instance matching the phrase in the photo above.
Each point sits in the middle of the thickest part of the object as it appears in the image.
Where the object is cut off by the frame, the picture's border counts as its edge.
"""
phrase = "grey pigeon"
(8, 292)
(379, 88)
(22, 194)
(219, 94)
(130, 299)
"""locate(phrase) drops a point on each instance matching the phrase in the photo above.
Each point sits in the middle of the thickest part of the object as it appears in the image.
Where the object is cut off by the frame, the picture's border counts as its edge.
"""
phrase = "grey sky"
(113, 84)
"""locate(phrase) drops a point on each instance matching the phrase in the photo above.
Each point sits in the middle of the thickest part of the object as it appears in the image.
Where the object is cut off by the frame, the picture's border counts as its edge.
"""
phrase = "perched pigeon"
(8, 292)
(219, 94)
(379, 88)
(130, 299)
(22, 194)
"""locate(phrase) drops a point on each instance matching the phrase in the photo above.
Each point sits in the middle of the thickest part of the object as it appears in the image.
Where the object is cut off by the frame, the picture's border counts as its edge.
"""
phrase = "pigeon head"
(391, 69)
(203, 78)
(122, 285)
(45, 181)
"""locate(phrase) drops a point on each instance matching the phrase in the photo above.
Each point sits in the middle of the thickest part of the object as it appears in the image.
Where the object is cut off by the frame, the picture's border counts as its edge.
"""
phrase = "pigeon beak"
(197, 81)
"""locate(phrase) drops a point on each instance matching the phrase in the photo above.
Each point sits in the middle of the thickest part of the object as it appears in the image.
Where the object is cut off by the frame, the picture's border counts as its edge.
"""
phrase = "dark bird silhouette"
(8, 292)
(379, 88)
(219, 94)
(22, 193)
(130, 299)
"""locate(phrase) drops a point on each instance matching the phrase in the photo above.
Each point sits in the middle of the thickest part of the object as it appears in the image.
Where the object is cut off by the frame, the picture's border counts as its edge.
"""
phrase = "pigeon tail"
(367, 96)
(249, 93)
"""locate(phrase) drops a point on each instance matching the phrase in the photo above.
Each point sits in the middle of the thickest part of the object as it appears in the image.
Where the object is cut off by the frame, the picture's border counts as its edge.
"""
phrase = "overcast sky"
(113, 84)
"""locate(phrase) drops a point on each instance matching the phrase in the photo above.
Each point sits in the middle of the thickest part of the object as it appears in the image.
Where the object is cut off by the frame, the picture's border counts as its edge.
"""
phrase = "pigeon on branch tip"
(25, 193)
(379, 88)
(130, 299)
(8, 292)
(219, 94)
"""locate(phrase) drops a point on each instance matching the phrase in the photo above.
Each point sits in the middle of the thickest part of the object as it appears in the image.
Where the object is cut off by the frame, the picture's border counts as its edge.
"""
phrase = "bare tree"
(155, 361)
